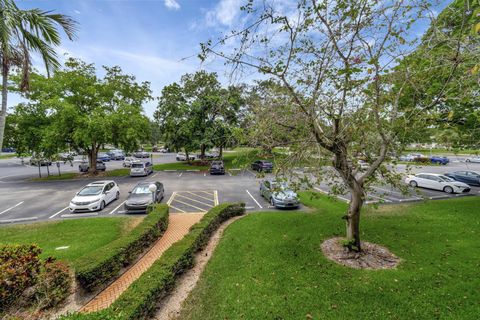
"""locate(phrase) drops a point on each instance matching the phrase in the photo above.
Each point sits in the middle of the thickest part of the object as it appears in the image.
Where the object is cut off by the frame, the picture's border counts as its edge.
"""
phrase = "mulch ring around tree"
(373, 256)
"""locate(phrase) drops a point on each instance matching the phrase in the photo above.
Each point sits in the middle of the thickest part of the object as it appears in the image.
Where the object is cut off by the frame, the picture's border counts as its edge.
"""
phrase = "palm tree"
(23, 32)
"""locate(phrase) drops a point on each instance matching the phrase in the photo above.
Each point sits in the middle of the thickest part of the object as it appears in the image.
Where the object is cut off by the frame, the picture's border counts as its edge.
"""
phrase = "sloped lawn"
(270, 266)
(68, 240)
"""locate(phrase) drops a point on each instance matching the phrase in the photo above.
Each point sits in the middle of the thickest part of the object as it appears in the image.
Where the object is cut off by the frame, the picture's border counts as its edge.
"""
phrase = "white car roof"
(100, 183)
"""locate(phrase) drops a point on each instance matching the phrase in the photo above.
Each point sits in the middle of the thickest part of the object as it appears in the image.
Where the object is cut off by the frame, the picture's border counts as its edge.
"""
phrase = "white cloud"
(224, 13)
(172, 4)
(77, 12)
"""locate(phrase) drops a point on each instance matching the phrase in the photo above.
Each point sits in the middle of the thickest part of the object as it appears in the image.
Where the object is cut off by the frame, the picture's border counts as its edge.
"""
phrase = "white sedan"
(95, 196)
(437, 182)
(473, 159)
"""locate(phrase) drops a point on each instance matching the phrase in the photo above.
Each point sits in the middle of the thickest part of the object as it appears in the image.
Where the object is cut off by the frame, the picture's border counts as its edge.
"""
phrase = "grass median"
(69, 240)
(269, 265)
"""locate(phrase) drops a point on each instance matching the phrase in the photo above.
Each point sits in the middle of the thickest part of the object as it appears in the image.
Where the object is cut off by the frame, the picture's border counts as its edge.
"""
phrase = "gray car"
(279, 194)
(84, 166)
(141, 197)
(140, 169)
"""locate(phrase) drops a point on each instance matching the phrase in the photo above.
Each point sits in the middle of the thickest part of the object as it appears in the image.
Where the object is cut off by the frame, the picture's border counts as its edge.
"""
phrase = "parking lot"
(24, 200)
(192, 191)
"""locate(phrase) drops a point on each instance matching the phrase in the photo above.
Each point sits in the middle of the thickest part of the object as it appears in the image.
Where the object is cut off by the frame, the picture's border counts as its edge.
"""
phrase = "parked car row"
(97, 195)
(453, 182)
(418, 157)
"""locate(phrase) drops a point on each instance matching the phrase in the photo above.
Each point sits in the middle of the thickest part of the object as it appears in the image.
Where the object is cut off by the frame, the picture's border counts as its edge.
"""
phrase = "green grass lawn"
(270, 266)
(63, 176)
(81, 235)
(7, 156)
(237, 159)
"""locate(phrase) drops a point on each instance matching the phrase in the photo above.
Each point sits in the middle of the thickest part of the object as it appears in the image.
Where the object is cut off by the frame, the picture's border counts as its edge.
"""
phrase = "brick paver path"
(178, 227)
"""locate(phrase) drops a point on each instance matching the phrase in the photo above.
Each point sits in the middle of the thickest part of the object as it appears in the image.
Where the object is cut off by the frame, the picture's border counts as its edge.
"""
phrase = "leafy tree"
(23, 32)
(337, 61)
(198, 112)
(86, 112)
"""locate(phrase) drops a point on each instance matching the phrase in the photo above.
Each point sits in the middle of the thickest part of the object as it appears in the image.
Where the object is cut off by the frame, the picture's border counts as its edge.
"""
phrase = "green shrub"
(140, 299)
(53, 285)
(101, 266)
(19, 268)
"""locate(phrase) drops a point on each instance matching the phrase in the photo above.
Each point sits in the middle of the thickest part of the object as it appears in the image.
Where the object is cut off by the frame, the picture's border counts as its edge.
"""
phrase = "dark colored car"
(439, 160)
(103, 157)
(262, 166)
(8, 149)
(141, 154)
(141, 197)
(116, 155)
(469, 177)
(40, 162)
(84, 166)
(217, 167)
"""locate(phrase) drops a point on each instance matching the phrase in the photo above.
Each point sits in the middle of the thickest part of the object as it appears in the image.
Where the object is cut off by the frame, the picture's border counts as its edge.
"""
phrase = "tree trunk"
(3, 111)
(353, 218)
(48, 169)
(220, 153)
(92, 160)
(187, 156)
(202, 151)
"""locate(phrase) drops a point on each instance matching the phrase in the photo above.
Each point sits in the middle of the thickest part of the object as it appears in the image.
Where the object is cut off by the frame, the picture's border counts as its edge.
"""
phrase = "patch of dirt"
(373, 256)
(170, 307)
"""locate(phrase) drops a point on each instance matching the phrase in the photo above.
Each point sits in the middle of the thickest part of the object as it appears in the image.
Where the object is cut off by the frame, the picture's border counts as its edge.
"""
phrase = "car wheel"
(117, 196)
(413, 184)
(102, 205)
(468, 160)
(448, 189)
(272, 202)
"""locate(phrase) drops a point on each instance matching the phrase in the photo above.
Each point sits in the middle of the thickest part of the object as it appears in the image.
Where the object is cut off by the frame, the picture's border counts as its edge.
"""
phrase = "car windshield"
(447, 179)
(137, 165)
(281, 186)
(90, 191)
(141, 190)
(102, 155)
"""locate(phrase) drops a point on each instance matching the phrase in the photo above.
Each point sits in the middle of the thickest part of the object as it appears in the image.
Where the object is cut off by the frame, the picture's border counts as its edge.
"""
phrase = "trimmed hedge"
(101, 266)
(140, 299)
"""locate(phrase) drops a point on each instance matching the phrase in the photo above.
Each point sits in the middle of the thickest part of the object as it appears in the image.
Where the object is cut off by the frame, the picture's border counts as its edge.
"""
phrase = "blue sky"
(156, 40)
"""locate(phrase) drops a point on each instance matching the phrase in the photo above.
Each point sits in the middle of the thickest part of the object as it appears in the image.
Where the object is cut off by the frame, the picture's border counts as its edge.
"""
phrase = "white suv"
(95, 196)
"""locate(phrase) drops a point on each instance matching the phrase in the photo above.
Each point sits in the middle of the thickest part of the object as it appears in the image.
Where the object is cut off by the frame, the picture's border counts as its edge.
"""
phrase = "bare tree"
(339, 61)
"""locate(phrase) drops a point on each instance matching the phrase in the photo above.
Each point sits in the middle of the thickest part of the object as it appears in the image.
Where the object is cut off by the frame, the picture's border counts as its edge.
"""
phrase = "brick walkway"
(178, 227)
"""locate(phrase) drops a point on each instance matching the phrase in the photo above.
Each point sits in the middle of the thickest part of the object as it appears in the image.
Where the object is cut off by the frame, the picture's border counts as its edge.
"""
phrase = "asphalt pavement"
(25, 200)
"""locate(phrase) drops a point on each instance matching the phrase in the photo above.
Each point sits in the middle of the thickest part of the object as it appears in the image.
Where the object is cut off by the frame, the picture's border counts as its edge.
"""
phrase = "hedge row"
(101, 266)
(140, 299)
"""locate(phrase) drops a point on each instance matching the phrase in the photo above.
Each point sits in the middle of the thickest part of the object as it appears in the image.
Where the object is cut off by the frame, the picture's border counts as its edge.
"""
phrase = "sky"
(155, 40)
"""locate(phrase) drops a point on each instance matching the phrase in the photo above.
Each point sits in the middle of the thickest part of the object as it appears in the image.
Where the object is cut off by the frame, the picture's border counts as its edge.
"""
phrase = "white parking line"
(6, 210)
(199, 196)
(116, 208)
(154, 175)
(258, 204)
(204, 174)
(180, 174)
(205, 204)
(215, 197)
(229, 173)
(178, 209)
(171, 198)
(189, 205)
(55, 214)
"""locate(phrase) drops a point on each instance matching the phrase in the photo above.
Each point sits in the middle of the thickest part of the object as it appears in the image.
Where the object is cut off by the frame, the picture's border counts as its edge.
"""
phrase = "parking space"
(185, 191)
(193, 201)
